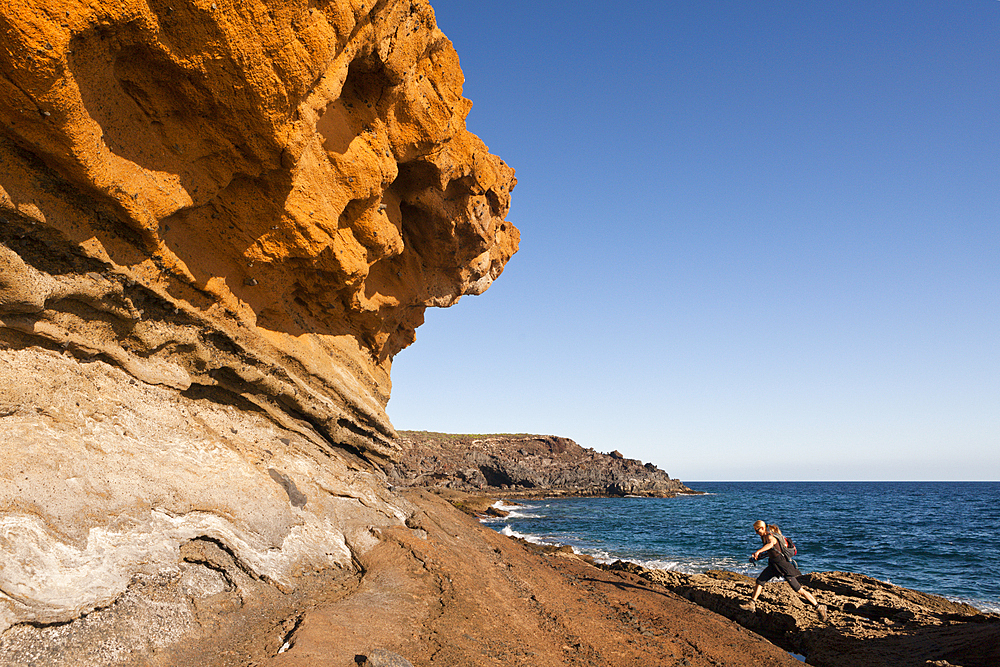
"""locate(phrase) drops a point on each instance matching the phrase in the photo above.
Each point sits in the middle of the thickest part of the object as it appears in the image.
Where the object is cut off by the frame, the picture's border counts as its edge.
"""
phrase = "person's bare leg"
(808, 596)
(820, 608)
(752, 605)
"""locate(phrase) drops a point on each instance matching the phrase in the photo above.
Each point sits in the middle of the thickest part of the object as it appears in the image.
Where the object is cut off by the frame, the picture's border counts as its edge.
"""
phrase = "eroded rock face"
(219, 221)
(149, 514)
(259, 198)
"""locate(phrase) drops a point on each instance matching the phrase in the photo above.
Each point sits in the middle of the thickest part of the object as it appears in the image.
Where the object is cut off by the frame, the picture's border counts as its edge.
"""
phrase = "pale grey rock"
(382, 658)
(104, 479)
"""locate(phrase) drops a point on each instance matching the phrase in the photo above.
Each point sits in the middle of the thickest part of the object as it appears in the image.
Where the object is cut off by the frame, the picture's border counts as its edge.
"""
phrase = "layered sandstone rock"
(134, 518)
(219, 221)
(260, 199)
(523, 465)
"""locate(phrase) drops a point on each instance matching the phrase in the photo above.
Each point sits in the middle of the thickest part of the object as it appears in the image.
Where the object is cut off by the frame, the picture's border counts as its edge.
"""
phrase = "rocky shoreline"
(487, 599)
(450, 591)
(871, 623)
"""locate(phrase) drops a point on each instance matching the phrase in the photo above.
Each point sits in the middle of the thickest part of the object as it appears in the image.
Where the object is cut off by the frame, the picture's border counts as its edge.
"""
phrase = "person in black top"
(778, 565)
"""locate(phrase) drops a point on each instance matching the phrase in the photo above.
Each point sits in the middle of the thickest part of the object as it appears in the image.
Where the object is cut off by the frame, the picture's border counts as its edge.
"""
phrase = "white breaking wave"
(513, 512)
(518, 511)
(981, 605)
(534, 539)
(682, 565)
(500, 505)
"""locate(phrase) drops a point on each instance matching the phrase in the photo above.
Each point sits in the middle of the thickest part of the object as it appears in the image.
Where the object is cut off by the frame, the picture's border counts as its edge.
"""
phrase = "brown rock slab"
(871, 623)
(465, 595)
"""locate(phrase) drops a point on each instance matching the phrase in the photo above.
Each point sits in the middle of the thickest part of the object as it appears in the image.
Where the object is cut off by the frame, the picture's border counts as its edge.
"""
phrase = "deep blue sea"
(935, 537)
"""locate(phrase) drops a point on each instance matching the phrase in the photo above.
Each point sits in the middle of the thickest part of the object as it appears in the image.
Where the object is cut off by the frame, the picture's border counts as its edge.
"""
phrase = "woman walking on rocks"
(778, 565)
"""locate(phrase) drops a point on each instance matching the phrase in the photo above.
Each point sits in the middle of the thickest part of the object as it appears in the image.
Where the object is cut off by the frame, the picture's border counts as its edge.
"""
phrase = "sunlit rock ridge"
(219, 222)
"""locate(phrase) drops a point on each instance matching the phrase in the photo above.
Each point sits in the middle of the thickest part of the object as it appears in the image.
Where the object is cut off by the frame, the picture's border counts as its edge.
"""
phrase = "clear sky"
(760, 239)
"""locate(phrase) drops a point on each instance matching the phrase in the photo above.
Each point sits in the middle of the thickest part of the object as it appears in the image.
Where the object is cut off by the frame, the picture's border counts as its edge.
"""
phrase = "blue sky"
(760, 240)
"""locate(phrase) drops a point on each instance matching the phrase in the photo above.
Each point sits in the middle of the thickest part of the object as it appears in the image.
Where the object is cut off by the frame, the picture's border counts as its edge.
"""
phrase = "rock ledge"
(871, 623)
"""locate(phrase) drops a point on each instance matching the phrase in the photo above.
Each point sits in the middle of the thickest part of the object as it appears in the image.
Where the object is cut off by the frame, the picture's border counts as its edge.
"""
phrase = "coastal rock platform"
(871, 623)
(450, 591)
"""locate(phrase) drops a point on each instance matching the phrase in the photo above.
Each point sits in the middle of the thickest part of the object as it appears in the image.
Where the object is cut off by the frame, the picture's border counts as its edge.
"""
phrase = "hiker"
(779, 564)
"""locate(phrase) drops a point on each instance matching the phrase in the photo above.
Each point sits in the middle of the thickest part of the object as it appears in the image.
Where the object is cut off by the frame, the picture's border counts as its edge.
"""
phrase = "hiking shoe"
(749, 606)
(821, 612)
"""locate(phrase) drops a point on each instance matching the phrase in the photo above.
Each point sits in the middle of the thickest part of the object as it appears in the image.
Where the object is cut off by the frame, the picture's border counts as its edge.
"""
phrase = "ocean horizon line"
(840, 481)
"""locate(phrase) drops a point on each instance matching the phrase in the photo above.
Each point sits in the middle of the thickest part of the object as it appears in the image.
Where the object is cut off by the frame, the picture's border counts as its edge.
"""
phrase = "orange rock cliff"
(252, 199)
(219, 222)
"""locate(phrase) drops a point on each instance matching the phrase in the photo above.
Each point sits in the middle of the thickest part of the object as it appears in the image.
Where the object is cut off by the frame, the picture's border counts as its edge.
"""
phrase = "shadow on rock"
(871, 623)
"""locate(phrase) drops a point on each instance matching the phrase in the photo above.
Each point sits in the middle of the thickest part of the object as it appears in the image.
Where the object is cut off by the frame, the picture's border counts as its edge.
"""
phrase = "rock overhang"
(255, 201)
(219, 222)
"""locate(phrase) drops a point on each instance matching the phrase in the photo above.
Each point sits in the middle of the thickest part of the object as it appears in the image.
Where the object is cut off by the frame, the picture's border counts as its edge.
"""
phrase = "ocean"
(936, 537)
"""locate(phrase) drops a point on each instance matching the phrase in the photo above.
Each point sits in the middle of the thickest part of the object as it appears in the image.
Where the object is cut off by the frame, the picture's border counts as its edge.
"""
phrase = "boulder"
(382, 658)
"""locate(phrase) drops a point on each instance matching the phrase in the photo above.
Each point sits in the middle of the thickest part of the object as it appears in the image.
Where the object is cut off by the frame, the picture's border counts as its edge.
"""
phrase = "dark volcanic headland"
(523, 466)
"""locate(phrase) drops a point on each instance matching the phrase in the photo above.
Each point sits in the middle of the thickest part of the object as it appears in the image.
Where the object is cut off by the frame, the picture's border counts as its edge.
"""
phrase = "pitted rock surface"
(219, 222)
(260, 200)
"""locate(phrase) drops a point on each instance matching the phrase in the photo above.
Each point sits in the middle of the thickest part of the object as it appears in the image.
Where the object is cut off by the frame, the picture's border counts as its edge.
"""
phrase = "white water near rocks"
(936, 537)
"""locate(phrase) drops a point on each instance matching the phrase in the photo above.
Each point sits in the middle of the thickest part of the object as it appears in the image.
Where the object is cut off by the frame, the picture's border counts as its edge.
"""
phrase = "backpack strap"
(782, 545)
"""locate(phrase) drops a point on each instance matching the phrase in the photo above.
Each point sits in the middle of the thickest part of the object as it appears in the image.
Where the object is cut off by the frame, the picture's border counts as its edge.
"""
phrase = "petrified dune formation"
(219, 221)
(258, 198)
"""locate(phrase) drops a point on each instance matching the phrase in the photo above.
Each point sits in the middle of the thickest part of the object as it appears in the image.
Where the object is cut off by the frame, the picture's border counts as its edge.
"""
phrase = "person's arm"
(771, 541)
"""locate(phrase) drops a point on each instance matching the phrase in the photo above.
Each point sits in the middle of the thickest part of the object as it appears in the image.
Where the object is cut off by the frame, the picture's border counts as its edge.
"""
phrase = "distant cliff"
(523, 465)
